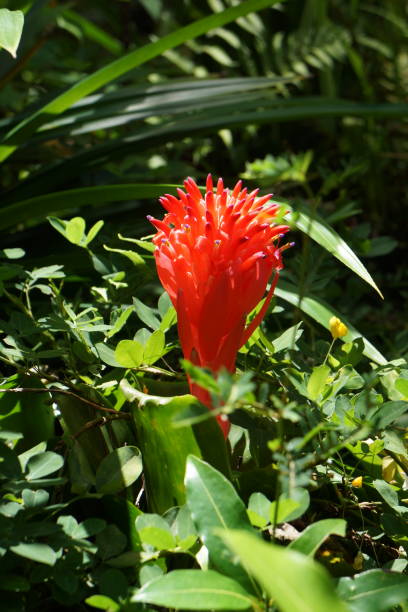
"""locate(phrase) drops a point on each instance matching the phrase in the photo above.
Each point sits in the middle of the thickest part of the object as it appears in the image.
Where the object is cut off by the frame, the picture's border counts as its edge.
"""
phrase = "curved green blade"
(322, 312)
(122, 65)
(315, 227)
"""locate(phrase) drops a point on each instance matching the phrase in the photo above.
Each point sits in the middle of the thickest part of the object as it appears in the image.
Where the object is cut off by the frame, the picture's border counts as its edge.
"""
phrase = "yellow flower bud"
(337, 328)
(357, 482)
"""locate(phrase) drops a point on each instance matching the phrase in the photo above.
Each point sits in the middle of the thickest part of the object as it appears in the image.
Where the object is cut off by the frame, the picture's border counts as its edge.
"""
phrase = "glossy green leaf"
(164, 448)
(390, 495)
(389, 412)
(11, 28)
(258, 509)
(35, 551)
(374, 591)
(122, 65)
(155, 531)
(75, 230)
(295, 582)
(102, 602)
(321, 312)
(129, 353)
(155, 347)
(214, 504)
(107, 354)
(43, 464)
(35, 499)
(317, 381)
(315, 534)
(43, 205)
(119, 470)
(194, 590)
(289, 508)
(315, 227)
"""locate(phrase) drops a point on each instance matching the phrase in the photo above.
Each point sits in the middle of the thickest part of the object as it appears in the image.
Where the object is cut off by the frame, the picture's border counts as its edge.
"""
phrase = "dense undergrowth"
(118, 491)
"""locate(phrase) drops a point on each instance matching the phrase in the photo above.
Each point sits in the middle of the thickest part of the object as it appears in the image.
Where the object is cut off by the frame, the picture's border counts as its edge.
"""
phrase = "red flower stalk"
(215, 254)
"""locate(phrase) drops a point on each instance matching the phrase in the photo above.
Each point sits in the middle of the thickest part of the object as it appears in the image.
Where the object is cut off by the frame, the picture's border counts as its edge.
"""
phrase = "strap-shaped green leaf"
(315, 227)
(322, 312)
(115, 69)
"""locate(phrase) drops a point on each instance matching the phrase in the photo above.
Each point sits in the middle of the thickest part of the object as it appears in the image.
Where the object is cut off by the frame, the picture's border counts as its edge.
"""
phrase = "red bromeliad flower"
(215, 254)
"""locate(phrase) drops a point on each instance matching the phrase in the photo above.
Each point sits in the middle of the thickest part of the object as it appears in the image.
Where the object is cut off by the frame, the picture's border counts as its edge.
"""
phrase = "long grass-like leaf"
(41, 206)
(315, 227)
(322, 312)
(115, 69)
(210, 121)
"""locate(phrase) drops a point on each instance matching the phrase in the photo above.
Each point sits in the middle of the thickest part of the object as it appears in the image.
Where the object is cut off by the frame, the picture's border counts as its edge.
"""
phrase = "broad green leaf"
(119, 470)
(146, 314)
(214, 504)
(258, 509)
(401, 384)
(164, 448)
(75, 230)
(317, 381)
(112, 71)
(390, 495)
(279, 512)
(129, 353)
(315, 534)
(322, 313)
(295, 582)
(102, 602)
(11, 28)
(43, 464)
(194, 590)
(107, 355)
(16, 253)
(288, 338)
(374, 591)
(155, 531)
(315, 227)
(389, 412)
(290, 507)
(36, 551)
(155, 347)
(35, 499)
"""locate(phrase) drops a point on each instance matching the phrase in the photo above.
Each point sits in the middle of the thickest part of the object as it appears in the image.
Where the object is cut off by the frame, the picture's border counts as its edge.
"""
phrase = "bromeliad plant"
(215, 254)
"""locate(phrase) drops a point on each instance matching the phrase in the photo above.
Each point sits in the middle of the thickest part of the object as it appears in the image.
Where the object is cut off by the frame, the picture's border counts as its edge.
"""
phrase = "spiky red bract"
(215, 253)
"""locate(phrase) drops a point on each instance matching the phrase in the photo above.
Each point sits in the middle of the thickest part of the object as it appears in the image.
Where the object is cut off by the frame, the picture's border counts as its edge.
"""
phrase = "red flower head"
(215, 254)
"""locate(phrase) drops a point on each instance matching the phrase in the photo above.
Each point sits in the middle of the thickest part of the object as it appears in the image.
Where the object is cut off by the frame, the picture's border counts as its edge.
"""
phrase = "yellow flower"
(337, 328)
(357, 482)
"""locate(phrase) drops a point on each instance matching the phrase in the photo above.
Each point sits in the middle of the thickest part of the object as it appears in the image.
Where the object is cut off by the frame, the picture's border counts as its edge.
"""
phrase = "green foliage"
(117, 489)
(11, 28)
